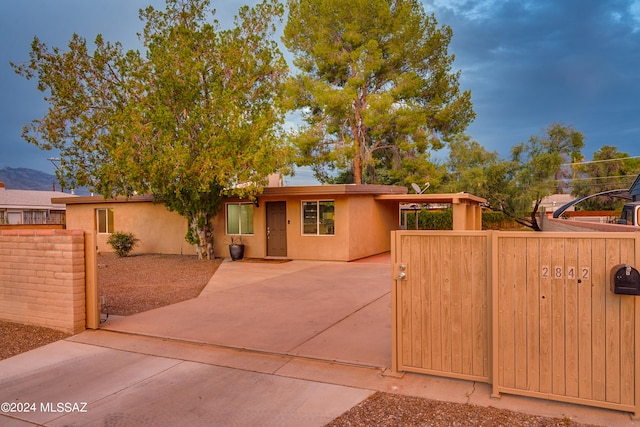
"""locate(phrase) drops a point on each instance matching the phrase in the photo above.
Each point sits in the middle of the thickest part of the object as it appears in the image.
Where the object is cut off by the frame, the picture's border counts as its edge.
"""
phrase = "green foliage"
(431, 220)
(603, 174)
(198, 116)
(376, 88)
(516, 186)
(498, 221)
(122, 243)
(443, 220)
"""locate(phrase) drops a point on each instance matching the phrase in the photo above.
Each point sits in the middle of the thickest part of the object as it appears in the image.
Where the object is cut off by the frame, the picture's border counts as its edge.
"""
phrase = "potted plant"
(236, 248)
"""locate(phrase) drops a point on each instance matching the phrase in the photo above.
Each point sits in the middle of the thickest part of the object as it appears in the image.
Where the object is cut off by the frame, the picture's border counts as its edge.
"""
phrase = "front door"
(277, 229)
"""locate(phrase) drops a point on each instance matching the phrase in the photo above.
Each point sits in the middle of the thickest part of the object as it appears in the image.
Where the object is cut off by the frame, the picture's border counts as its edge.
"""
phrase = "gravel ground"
(392, 410)
(142, 282)
(139, 283)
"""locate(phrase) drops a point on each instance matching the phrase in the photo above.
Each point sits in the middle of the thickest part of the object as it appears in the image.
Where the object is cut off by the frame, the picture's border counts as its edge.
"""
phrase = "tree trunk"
(204, 245)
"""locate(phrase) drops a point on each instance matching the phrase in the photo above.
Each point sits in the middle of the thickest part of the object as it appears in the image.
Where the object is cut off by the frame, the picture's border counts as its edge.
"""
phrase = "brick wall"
(42, 278)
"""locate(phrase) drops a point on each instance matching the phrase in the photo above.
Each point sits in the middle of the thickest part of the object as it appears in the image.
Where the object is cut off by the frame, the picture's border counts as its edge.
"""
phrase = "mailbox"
(625, 280)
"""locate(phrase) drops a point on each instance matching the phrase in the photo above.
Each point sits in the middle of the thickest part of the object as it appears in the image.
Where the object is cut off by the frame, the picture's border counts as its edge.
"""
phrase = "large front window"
(318, 217)
(240, 218)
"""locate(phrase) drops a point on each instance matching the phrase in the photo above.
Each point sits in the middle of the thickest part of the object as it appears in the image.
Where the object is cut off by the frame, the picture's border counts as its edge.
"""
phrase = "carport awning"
(453, 198)
(467, 210)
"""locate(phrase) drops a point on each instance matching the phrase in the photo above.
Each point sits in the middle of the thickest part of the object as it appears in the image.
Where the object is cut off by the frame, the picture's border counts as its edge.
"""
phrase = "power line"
(598, 177)
(600, 161)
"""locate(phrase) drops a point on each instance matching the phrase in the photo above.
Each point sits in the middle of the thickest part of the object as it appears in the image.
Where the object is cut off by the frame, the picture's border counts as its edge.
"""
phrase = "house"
(555, 201)
(30, 207)
(324, 222)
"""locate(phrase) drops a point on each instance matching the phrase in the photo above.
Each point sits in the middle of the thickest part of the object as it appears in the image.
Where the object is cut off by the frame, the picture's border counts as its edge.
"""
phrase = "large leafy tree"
(196, 117)
(375, 87)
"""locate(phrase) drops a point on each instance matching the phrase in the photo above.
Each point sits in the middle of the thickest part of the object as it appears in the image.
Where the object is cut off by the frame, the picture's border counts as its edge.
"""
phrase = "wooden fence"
(530, 313)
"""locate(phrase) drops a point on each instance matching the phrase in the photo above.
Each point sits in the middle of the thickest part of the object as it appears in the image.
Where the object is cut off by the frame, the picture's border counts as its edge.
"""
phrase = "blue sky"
(527, 63)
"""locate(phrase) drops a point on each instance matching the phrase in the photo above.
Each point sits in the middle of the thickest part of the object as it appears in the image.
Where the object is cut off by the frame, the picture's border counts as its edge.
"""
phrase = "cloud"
(530, 63)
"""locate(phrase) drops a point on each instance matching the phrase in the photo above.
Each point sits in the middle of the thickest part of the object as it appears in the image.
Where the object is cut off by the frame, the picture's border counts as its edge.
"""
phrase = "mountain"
(28, 179)
(31, 179)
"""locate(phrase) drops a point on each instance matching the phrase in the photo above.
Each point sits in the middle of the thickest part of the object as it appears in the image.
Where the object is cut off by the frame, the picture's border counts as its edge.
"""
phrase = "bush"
(122, 243)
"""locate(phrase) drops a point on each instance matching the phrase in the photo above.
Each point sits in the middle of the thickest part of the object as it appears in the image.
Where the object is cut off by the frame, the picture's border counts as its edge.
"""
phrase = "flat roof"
(380, 192)
(433, 198)
(100, 199)
(334, 189)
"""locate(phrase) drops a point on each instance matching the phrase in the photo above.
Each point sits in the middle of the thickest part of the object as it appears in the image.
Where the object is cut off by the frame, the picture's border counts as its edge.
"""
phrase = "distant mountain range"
(28, 179)
(31, 179)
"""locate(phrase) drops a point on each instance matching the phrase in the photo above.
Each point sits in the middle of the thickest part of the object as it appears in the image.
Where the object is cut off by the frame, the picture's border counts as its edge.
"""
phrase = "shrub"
(122, 243)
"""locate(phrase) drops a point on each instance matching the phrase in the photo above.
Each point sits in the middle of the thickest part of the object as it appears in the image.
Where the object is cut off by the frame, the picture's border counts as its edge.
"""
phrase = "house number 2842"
(557, 272)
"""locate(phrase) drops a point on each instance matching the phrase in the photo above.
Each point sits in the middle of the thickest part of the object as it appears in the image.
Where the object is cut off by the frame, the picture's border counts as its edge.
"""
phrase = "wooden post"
(91, 280)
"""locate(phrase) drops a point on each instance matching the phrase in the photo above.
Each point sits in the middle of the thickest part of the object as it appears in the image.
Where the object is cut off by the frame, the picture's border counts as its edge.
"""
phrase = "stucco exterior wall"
(159, 230)
(371, 223)
(362, 228)
(42, 278)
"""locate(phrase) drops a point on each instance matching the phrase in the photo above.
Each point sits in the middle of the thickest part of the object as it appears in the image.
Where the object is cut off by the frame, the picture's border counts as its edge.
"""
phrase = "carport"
(467, 208)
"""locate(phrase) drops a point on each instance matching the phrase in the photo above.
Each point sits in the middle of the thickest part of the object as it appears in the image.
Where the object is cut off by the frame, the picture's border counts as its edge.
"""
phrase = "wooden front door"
(277, 229)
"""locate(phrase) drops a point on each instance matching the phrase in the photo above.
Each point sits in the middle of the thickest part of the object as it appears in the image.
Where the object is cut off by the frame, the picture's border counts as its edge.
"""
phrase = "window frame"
(226, 218)
(319, 222)
(109, 220)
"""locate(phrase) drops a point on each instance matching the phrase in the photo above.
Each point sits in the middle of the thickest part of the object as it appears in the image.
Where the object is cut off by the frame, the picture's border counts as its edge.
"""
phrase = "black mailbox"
(625, 280)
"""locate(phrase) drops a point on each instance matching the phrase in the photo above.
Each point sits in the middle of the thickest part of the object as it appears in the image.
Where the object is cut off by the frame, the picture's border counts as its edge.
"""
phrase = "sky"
(528, 64)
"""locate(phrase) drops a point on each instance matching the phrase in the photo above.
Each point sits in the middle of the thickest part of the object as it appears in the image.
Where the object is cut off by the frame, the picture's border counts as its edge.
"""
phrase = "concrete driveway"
(290, 344)
(321, 310)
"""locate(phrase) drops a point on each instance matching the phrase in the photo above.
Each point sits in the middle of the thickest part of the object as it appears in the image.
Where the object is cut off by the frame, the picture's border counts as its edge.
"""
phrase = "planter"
(236, 251)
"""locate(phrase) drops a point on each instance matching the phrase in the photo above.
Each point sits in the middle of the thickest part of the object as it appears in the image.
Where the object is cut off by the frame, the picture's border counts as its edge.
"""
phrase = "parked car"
(629, 215)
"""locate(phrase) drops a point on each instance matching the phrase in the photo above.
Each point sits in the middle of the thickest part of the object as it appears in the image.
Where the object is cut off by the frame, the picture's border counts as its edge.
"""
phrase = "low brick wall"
(42, 278)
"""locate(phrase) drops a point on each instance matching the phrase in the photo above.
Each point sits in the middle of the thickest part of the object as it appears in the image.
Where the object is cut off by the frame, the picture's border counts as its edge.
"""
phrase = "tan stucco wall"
(42, 278)
(362, 228)
(159, 230)
(371, 223)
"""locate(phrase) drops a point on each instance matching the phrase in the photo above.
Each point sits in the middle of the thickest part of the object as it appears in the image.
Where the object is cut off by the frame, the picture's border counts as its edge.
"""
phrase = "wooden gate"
(531, 313)
(559, 330)
(441, 304)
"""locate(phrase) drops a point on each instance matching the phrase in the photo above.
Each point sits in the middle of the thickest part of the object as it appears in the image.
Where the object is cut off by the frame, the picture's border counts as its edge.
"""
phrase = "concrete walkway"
(288, 344)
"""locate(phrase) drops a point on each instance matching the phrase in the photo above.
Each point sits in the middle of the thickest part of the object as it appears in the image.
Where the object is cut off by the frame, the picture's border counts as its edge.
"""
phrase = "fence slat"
(533, 314)
(585, 285)
(572, 376)
(612, 330)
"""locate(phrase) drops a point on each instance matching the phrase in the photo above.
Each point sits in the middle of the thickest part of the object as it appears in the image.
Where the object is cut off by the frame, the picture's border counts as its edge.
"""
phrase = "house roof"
(334, 189)
(311, 190)
(380, 192)
(79, 200)
(30, 199)
(555, 201)
(433, 198)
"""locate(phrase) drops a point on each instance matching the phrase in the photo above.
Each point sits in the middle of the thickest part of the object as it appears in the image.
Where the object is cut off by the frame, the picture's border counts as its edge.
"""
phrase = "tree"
(375, 85)
(609, 170)
(543, 166)
(196, 118)
(516, 186)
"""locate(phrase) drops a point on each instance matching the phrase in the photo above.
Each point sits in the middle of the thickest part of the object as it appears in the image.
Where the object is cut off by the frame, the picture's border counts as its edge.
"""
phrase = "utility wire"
(600, 161)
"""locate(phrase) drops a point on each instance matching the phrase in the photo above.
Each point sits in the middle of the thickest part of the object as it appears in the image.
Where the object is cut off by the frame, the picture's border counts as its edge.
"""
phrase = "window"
(104, 220)
(318, 217)
(240, 218)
